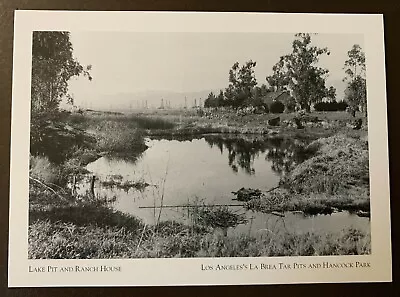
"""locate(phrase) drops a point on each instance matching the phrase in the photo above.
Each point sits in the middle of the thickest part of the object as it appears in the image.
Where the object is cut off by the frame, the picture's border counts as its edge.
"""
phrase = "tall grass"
(41, 168)
(340, 163)
(119, 134)
(65, 240)
(117, 137)
(61, 226)
(282, 200)
(151, 122)
(335, 177)
(132, 121)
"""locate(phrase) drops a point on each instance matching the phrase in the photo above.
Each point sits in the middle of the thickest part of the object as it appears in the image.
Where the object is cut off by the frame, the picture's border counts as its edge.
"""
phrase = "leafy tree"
(256, 99)
(356, 90)
(331, 94)
(280, 79)
(299, 73)
(220, 99)
(264, 89)
(229, 96)
(210, 101)
(53, 65)
(356, 94)
(354, 66)
(242, 80)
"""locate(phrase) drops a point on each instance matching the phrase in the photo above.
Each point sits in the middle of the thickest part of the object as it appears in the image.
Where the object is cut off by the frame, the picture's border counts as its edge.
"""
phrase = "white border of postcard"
(158, 272)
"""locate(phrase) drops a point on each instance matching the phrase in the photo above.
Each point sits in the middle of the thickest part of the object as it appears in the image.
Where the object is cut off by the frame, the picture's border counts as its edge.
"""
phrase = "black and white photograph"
(198, 145)
(202, 145)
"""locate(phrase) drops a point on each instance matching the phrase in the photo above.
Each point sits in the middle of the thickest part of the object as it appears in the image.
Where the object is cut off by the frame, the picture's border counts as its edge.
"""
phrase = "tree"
(265, 90)
(210, 101)
(298, 72)
(356, 94)
(256, 99)
(220, 99)
(53, 65)
(242, 80)
(331, 94)
(354, 66)
(356, 90)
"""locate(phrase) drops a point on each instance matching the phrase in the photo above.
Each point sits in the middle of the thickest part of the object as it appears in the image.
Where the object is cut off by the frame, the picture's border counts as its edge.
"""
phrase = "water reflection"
(185, 170)
(283, 153)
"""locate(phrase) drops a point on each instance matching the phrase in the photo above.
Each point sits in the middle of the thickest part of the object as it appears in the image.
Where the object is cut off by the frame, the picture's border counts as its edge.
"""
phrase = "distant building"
(281, 96)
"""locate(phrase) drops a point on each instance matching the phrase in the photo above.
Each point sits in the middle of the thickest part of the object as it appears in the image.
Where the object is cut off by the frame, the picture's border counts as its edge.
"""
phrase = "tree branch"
(47, 187)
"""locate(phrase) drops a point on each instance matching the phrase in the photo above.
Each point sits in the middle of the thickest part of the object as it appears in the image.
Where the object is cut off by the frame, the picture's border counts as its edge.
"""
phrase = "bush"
(52, 137)
(117, 137)
(152, 123)
(331, 106)
(41, 168)
(277, 107)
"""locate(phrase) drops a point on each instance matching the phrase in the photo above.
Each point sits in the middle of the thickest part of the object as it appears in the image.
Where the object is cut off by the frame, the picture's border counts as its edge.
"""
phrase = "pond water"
(206, 170)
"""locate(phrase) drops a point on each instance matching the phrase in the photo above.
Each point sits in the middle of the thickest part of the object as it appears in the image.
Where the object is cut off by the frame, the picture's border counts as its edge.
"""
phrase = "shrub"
(277, 107)
(290, 105)
(152, 123)
(117, 137)
(331, 106)
(41, 168)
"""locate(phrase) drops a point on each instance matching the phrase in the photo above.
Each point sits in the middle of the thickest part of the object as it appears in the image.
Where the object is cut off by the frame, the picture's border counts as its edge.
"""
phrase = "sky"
(132, 62)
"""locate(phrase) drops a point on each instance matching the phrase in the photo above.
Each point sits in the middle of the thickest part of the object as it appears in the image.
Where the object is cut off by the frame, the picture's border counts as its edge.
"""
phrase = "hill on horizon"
(155, 98)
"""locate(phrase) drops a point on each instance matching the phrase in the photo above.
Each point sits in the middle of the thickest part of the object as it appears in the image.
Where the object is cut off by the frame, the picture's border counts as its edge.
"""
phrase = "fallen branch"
(47, 187)
(188, 206)
(141, 237)
(274, 188)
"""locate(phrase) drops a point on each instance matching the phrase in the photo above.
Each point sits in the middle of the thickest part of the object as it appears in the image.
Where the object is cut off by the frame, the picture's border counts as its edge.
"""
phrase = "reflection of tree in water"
(241, 152)
(283, 153)
(286, 153)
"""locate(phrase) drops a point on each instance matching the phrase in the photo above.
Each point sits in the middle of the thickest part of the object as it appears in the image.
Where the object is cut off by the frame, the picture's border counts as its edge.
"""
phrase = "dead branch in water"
(188, 205)
(162, 194)
(141, 237)
(47, 187)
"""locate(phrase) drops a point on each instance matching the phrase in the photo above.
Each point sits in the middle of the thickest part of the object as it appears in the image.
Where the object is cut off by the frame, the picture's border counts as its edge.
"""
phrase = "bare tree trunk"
(92, 186)
(73, 190)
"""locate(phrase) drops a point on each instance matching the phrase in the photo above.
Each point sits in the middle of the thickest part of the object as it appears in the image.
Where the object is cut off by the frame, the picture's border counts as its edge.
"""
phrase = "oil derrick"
(162, 104)
(185, 103)
(195, 102)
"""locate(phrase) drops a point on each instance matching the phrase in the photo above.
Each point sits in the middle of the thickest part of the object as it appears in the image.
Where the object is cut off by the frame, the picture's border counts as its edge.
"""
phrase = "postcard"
(188, 148)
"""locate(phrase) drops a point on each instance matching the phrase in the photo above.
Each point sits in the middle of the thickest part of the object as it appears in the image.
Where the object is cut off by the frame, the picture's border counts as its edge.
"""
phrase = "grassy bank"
(62, 148)
(62, 227)
(336, 177)
(189, 122)
(116, 135)
(61, 240)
